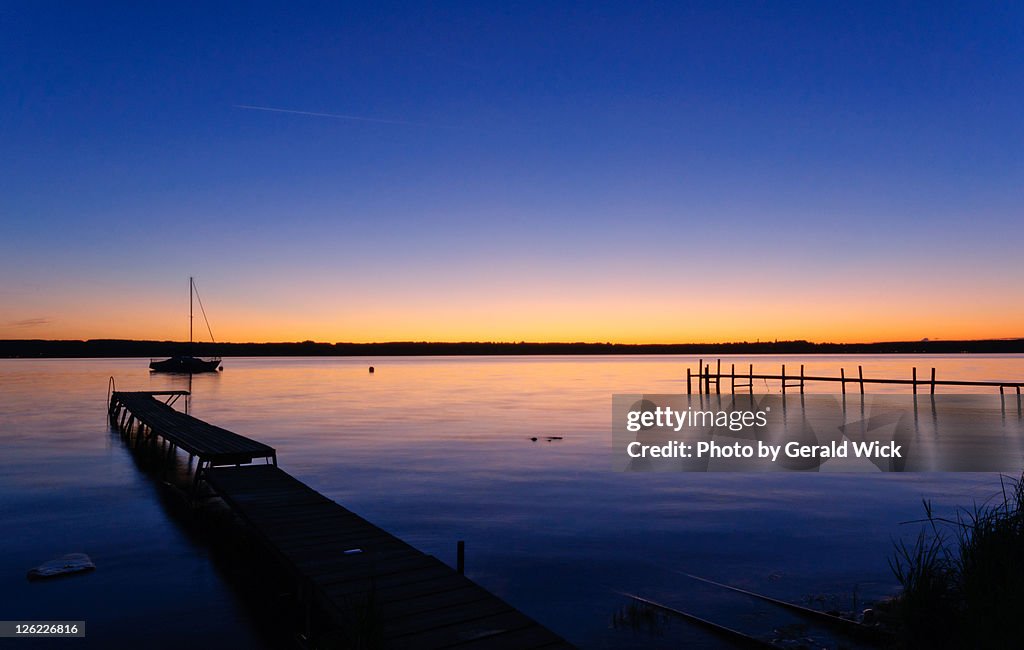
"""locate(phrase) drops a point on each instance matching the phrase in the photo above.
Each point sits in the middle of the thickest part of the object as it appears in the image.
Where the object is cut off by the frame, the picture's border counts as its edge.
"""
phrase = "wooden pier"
(369, 585)
(211, 445)
(706, 377)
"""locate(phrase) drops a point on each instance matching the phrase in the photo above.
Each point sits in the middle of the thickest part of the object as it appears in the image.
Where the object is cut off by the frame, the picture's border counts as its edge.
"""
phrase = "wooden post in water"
(913, 379)
(842, 379)
(700, 375)
(751, 379)
(860, 373)
(783, 379)
(933, 381)
(801, 379)
(688, 385)
(460, 560)
(718, 378)
(732, 378)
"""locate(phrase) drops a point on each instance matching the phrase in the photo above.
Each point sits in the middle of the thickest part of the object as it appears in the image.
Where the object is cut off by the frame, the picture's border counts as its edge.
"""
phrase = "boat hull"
(188, 365)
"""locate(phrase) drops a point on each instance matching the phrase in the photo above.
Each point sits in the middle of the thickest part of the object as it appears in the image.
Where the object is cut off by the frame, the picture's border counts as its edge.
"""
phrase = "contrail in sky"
(336, 116)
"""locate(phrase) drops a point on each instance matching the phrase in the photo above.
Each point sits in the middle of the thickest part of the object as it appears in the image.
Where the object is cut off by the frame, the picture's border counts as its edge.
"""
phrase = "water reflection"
(439, 449)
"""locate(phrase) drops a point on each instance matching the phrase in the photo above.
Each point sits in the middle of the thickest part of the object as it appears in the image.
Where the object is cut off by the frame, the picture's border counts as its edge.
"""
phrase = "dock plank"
(465, 630)
(208, 442)
(432, 617)
(529, 638)
(419, 601)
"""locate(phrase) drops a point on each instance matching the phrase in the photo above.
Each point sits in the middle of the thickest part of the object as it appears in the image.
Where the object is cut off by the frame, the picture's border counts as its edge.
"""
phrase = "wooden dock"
(211, 445)
(373, 589)
(355, 570)
(706, 378)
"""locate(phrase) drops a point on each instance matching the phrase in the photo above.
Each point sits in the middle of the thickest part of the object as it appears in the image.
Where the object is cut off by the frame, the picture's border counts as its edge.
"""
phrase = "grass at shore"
(963, 578)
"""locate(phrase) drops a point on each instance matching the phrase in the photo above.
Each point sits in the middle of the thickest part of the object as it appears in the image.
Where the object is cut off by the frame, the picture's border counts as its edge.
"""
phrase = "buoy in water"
(371, 370)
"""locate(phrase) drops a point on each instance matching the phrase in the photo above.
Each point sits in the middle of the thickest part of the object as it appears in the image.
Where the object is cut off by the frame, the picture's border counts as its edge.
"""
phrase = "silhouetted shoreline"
(98, 348)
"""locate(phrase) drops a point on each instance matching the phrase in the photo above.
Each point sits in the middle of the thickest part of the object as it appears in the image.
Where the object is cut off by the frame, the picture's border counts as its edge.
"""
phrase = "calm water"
(436, 450)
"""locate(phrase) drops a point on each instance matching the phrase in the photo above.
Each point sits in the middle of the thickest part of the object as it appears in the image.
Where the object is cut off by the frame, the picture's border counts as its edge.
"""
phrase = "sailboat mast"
(190, 285)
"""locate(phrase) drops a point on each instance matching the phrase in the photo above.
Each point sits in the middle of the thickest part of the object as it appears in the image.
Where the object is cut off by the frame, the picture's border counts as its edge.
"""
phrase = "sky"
(628, 172)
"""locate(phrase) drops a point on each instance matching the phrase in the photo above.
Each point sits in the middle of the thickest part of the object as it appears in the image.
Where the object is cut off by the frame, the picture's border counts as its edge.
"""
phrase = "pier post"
(700, 375)
(783, 379)
(718, 378)
(913, 379)
(689, 386)
(732, 378)
(933, 381)
(460, 560)
(842, 379)
(801, 379)
(860, 374)
(751, 379)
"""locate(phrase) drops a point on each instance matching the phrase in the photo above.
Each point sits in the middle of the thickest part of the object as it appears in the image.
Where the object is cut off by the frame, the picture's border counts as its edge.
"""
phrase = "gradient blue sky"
(539, 171)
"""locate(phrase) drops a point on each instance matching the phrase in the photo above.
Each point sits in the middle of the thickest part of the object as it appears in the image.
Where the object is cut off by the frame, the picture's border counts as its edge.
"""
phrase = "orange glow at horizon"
(611, 314)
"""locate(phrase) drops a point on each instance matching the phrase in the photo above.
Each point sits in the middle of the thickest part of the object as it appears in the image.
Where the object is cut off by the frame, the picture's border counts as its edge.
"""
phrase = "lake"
(439, 449)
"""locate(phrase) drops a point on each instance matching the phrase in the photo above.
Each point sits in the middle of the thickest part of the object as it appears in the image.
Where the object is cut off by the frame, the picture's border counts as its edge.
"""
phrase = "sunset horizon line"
(773, 341)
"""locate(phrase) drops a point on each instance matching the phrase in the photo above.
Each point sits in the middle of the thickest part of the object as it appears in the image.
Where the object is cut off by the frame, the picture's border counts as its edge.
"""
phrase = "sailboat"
(189, 364)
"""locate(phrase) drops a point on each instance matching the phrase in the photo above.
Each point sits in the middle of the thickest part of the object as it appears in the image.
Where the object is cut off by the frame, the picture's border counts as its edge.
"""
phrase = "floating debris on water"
(67, 564)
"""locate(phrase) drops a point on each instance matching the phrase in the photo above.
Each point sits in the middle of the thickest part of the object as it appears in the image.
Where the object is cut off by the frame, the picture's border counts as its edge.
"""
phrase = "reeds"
(963, 578)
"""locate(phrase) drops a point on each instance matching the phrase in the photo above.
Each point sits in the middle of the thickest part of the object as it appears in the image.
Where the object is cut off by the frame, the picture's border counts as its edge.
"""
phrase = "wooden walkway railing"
(706, 377)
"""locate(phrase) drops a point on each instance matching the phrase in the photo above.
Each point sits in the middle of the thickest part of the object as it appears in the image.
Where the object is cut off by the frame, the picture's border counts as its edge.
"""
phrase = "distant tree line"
(128, 348)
